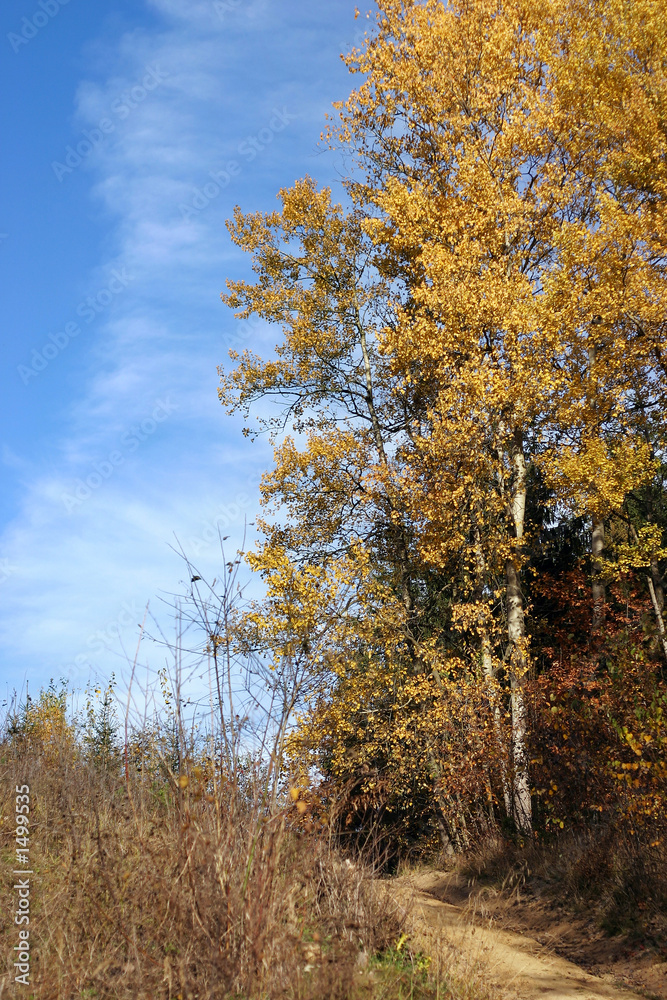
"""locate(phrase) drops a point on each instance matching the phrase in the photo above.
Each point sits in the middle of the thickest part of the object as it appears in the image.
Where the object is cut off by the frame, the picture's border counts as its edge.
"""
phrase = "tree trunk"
(490, 678)
(489, 675)
(522, 809)
(658, 586)
(657, 592)
(516, 633)
(658, 602)
(399, 533)
(446, 819)
(597, 584)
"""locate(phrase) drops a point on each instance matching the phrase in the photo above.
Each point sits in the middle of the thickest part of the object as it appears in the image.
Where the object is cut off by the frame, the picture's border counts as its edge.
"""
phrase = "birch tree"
(504, 151)
(488, 314)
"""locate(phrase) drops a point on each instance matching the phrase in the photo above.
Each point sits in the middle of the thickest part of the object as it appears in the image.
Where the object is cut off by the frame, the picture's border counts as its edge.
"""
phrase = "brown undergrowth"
(172, 889)
(616, 875)
(192, 884)
(597, 898)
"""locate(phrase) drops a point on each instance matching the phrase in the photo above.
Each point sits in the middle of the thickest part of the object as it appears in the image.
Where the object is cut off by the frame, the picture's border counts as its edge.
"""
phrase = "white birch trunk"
(489, 675)
(597, 585)
(658, 614)
(516, 633)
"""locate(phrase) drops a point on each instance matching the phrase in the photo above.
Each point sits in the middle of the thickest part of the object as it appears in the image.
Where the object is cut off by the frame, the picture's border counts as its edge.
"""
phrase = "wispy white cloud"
(82, 569)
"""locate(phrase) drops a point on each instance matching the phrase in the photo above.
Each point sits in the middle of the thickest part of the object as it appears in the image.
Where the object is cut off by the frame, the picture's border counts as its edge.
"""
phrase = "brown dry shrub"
(143, 888)
(617, 873)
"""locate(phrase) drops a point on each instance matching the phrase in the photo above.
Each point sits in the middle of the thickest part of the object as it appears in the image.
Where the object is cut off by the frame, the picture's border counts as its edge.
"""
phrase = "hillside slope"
(447, 920)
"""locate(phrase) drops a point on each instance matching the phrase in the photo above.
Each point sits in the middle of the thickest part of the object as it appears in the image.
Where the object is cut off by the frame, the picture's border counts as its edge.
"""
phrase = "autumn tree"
(317, 279)
(473, 347)
(516, 208)
(337, 554)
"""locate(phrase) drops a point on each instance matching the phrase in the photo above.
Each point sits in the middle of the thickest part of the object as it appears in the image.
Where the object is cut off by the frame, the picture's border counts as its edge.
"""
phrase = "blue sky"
(131, 131)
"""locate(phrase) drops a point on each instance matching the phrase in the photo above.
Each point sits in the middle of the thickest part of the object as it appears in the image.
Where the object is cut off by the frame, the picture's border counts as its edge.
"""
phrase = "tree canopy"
(465, 522)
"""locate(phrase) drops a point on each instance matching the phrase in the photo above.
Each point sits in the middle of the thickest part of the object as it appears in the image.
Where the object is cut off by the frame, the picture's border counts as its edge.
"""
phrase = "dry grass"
(149, 890)
(172, 866)
(616, 875)
(156, 887)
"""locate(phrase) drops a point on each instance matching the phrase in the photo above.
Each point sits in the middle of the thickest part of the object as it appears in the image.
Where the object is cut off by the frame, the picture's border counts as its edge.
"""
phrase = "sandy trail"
(512, 965)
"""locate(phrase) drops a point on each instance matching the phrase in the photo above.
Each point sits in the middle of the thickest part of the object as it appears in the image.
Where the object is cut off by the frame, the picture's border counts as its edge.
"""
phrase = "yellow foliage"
(43, 727)
(488, 316)
(596, 478)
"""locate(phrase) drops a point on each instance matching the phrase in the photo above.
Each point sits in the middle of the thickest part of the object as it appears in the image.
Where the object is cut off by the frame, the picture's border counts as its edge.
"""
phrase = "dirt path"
(511, 965)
